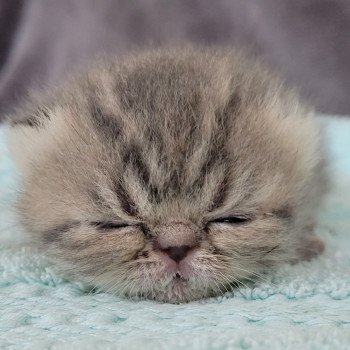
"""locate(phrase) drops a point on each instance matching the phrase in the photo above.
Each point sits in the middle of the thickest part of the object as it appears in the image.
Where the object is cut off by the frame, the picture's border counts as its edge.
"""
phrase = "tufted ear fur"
(28, 135)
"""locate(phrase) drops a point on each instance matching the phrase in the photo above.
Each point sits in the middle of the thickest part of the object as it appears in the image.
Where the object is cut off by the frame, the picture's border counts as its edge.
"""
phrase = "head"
(170, 175)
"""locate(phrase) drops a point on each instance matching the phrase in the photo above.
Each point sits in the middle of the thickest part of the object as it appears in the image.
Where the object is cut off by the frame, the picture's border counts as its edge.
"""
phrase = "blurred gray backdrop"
(308, 41)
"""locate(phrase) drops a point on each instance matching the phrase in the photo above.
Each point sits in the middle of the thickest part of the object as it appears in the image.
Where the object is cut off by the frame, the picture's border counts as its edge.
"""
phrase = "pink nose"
(177, 253)
(176, 239)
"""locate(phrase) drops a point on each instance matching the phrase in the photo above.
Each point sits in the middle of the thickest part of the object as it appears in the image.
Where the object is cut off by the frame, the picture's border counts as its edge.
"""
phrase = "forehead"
(167, 130)
(168, 127)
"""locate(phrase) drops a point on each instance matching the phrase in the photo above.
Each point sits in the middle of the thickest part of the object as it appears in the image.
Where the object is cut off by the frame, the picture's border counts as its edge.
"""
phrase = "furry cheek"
(248, 240)
(117, 246)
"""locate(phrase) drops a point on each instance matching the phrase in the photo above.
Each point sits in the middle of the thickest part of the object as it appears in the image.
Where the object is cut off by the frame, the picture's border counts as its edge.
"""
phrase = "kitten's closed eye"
(109, 225)
(235, 220)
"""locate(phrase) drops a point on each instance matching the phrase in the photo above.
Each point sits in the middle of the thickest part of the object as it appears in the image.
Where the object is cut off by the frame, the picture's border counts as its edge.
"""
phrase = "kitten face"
(172, 175)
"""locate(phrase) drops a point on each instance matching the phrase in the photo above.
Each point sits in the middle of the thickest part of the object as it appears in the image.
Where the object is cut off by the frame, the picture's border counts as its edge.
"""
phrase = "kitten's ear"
(309, 247)
(25, 133)
(35, 118)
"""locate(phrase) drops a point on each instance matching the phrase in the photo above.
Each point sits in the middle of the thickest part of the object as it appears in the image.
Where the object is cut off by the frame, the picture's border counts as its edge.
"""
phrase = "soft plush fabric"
(306, 306)
(42, 42)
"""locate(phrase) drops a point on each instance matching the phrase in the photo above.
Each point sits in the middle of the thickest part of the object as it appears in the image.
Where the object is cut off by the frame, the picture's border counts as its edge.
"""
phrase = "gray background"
(308, 41)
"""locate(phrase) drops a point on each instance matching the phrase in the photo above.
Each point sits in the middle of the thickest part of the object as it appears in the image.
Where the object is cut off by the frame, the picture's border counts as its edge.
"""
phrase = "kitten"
(172, 174)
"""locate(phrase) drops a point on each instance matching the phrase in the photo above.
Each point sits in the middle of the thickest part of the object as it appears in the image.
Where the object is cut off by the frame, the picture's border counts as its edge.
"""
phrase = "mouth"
(179, 280)
(176, 283)
(178, 289)
(178, 276)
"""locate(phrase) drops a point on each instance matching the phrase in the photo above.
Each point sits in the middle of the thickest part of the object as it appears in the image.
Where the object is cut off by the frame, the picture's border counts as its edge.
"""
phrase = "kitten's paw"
(310, 247)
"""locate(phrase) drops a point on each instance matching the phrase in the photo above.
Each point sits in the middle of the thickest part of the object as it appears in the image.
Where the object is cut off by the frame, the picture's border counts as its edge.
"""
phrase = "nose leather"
(176, 239)
(177, 253)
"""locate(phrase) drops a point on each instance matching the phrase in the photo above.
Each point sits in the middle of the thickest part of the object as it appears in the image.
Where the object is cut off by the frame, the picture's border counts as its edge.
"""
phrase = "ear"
(309, 247)
(25, 133)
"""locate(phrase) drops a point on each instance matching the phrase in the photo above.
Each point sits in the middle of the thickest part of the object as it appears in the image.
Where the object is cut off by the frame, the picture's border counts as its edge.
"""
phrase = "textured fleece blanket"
(306, 306)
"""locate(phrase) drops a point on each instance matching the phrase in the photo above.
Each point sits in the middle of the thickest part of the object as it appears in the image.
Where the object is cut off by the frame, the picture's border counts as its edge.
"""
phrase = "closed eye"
(109, 225)
(235, 220)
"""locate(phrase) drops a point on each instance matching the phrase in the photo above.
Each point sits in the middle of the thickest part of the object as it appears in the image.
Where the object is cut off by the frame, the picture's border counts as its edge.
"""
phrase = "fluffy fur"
(170, 174)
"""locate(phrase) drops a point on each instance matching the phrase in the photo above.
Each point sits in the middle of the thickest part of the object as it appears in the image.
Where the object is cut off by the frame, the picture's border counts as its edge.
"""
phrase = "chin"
(178, 290)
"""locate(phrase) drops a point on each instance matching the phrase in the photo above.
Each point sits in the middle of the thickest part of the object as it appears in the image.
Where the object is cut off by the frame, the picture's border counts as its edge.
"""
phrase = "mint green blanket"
(306, 306)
